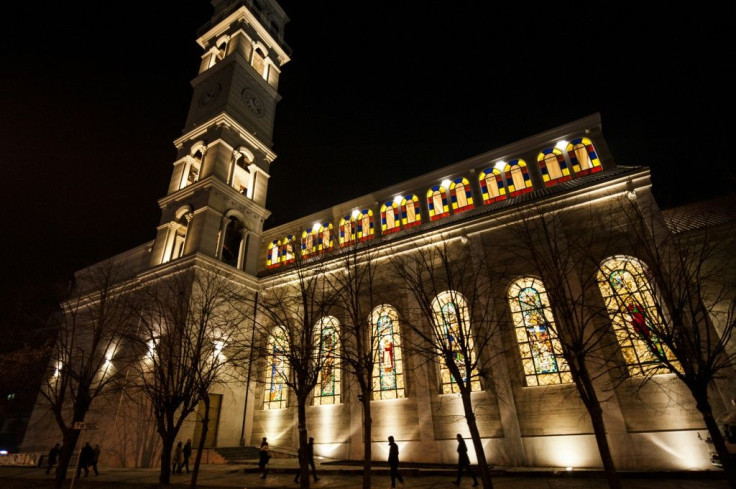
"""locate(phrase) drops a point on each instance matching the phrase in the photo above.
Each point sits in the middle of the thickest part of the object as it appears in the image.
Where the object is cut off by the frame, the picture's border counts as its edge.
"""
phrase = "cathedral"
(214, 210)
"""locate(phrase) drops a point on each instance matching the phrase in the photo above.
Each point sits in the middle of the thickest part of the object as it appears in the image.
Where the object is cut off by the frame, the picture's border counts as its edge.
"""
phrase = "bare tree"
(560, 249)
(688, 305)
(450, 285)
(189, 337)
(299, 342)
(85, 361)
(356, 291)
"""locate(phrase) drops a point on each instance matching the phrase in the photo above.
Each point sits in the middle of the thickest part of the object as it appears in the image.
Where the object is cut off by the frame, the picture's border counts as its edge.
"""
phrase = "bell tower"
(215, 202)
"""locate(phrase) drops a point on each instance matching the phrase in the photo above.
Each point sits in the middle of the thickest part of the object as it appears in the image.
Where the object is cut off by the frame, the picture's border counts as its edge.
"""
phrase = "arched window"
(328, 380)
(258, 62)
(553, 167)
(390, 217)
(274, 396)
(242, 176)
(310, 240)
(491, 185)
(177, 236)
(365, 225)
(437, 202)
(347, 230)
(193, 165)
(287, 249)
(541, 353)
(583, 157)
(388, 364)
(273, 259)
(629, 294)
(461, 195)
(410, 215)
(452, 317)
(232, 243)
(325, 238)
(517, 178)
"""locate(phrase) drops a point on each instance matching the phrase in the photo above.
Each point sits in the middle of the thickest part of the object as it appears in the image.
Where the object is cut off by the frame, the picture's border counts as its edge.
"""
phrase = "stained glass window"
(347, 230)
(365, 224)
(583, 157)
(275, 391)
(553, 167)
(310, 240)
(453, 320)
(541, 353)
(273, 258)
(390, 217)
(327, 390)
(491, 185)
(410, 215)
(287, 249)
(325, 237)
(517, 177)
(461, 195)
(629, 296)
(388, 364)
(437, 202)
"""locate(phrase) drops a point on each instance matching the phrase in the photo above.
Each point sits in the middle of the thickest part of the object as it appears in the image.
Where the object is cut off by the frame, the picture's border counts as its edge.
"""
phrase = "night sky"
(92, 94)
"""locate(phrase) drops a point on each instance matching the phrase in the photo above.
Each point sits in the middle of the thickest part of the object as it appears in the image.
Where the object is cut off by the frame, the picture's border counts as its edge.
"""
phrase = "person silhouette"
(393, 462)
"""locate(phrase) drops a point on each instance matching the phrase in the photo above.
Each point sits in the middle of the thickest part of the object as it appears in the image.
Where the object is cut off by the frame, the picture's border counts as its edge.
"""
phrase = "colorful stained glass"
(410, 215)
(328, 379)
(287, 249)
(453, 320)
(460, 195)
(273, 258)
(553, 167)
(538, 344)
(583, 156)
(275, 391)
(347, 230)
(388, 369)
(517, 178)
(437, 202)
(365, 225)
(491, 185)
(390, 217)
(629, 296)
(325, 237)
(310, 240)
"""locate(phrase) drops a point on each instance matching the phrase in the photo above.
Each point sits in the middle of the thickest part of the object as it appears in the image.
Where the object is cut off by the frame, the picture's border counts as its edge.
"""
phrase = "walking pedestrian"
(95, 459)
(53, 455)
(177, 458)
(85, 459)
(393, 462)
(463, 462)
(264, 456)
(310, 460)
(186, 453)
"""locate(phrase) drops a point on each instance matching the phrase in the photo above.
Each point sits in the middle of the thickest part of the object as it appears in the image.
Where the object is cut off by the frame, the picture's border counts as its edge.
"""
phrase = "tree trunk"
(590, 398)
(164, 477)
(202, 439)
(302, 426)
(485, 473)
(70, 439)
(367, 448)
(716, 436)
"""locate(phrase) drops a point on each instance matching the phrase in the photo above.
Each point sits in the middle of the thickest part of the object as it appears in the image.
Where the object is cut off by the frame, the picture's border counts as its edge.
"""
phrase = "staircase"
(236, 455)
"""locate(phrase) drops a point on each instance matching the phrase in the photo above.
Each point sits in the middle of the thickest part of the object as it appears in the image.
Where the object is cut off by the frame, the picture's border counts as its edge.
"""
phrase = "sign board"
(85, 426)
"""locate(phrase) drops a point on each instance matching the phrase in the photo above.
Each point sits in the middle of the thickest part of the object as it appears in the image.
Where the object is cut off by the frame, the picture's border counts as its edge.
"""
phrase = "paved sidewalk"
(349, 477)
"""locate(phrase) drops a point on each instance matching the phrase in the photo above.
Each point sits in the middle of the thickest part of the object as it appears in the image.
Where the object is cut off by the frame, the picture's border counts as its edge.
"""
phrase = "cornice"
(226, 120)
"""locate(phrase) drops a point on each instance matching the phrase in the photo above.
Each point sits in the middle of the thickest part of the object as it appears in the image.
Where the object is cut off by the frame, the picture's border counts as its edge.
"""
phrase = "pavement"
(334, 476)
